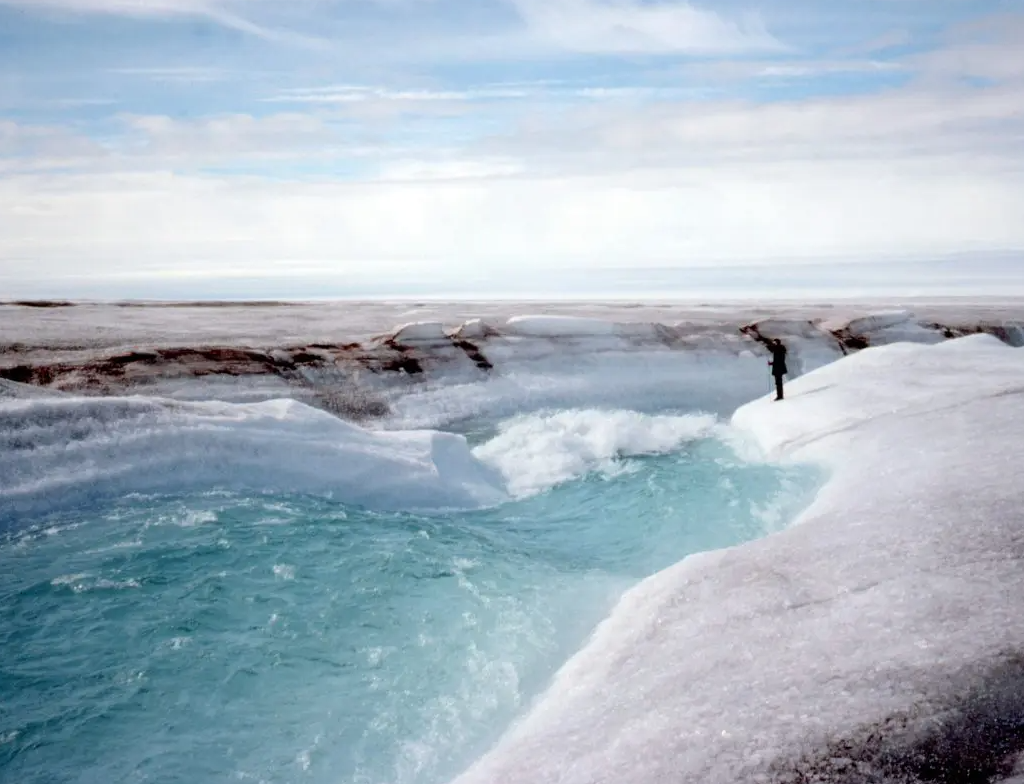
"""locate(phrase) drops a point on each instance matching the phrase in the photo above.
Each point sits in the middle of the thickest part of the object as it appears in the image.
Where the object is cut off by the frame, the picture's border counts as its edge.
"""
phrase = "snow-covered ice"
(559, 326)
(59, 452)
(428, 332)
(878, 639)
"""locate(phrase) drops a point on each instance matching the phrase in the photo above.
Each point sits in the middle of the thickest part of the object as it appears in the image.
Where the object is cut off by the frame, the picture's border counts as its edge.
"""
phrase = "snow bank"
(63, 452)
(877, 321)
(474, 329)
(882, 385)
(558, 326)
(420, 332)
(877, 640)
(577, 327)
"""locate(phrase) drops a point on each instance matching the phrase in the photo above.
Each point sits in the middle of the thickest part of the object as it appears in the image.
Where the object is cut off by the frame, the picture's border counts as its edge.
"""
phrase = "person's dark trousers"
(778, 386)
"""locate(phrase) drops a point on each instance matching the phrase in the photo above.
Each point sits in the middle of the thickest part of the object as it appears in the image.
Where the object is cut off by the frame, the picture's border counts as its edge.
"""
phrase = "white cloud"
(621, 26)
(721, 73)
(34, 142)
(152, 223)
(593, 175)
(1002, 61)
(126, 7)
(897, 124)
(349, 94)
(812, 68)
(990, 48)
(227, 137)
(153, 142)
(890, 40)
(222, 12)
(176, 74)
(601, 131)
(448, 168)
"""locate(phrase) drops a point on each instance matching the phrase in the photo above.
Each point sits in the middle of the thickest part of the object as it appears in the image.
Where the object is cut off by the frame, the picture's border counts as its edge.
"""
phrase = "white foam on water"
(538, 451)
(80, 583)
(284, 571)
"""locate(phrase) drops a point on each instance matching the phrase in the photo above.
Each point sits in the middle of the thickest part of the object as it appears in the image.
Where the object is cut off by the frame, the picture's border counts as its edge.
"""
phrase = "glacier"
(874, 639)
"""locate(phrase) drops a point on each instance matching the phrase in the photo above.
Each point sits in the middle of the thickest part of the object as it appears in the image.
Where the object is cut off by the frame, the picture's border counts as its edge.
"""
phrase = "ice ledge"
(881, 385)
(877, 641)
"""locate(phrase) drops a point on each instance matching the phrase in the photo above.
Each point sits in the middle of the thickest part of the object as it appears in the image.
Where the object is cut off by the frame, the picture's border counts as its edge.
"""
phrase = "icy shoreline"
(878, 639)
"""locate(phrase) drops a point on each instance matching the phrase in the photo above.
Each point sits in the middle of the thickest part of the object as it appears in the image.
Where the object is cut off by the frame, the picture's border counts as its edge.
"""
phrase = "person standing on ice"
(778, 364)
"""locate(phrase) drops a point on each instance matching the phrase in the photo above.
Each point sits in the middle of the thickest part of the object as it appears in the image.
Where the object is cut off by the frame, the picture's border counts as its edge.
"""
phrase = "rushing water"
(218, 636)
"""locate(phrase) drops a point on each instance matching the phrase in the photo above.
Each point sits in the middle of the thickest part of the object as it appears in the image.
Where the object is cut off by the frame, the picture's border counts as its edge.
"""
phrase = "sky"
(186, 148)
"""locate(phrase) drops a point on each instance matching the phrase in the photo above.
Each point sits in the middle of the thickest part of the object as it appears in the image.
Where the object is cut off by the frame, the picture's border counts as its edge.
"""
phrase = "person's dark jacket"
(778, 360)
